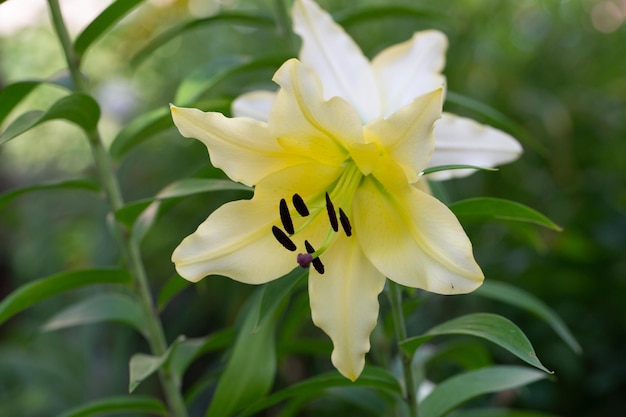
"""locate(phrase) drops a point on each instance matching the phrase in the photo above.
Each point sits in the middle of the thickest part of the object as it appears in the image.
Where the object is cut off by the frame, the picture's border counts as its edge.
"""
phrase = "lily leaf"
(39, 290)
(251, 368)
(486, 208)
(81, 184)
(516, 297)
(492, 327)
(120, 404)
(77, 108)
(274, 292)
(171, 288)
(376, 378)
(500, 412)
(12, 94)
(449, 167)
(103, 22)
(363, 14)
(246, 19)
(185, 352)
(103, 307)
(460, 388)
(141, 366)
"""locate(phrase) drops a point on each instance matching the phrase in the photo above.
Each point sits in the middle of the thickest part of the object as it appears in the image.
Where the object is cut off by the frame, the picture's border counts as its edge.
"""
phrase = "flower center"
(336, 204)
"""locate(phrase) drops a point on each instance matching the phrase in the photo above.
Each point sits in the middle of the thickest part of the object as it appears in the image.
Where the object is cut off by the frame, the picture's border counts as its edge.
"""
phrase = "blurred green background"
(556, 68)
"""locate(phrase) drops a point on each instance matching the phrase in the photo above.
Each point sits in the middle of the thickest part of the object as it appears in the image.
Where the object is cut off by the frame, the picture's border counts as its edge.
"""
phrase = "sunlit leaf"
(33, 292)
(514, 296)
(121, 404)
(376, 378)
(81, 184)
(104, 307)
(141, 366)
(251, 368)
(458, 389)
(78, 108)
(103, 22)
(488, 208)
(449, 167)
(492, 327)
(244, 19)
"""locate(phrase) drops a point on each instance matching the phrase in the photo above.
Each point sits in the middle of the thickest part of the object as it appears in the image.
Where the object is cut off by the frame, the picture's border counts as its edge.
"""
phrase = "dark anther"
(332, 215)
(345, 223)
(285, 218)
(298, 203)
(283, 239)
(317, 263)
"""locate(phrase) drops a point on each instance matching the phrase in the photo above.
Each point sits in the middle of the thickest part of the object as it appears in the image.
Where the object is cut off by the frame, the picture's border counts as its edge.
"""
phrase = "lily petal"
(414, 240)
(409, 69)
(463, 141)
(306, 124)
(336, 58)
(235, 241)
(408, 133)
(255, 105)
(344, 303)
(242, 147)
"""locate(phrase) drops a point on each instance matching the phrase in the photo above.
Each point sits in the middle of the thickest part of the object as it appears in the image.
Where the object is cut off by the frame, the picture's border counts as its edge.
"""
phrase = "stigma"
(285, 235)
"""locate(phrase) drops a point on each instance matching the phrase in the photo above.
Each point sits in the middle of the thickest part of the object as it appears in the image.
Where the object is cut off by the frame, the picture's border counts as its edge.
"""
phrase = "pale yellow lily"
(332, 192)
(393, 79)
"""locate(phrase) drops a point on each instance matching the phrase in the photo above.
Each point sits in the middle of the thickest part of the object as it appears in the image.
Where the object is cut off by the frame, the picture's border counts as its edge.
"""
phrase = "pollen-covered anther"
(299, 205)
(345, 223)
(283, 239)
(332, 214)
(285, 217)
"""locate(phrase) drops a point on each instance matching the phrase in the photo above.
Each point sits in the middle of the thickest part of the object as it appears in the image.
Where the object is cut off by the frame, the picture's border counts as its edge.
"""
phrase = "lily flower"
(331, 194)
(395, 77)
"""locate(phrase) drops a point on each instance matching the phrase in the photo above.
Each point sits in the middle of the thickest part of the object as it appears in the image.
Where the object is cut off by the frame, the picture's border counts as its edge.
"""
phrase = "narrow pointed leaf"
(315, 387)
(492, 327)
(516, 297)
(141, 366)
(170, 289)
(487, 208)
(12, 94)
(364, 14)
(185, 352)
(39, 290)
(140, 129)
(105, 307)
(500, 412)
(78, 108)
(80, 184)
(121, 404)
(458, 389)
(449, 167)
(251, 368)
(103, 22)
(274, 292)
(251, 20)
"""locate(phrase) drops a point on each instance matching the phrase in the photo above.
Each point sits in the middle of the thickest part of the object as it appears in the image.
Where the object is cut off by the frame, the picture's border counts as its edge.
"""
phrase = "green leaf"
(140, 129)
(492, 327)
(516, 297)
(499, 412)
(185, 352)
(487, 208)
(497, 118)
(120, 404)
(182, 188)
(13, 94)
(376, 378)
(201, 81)
(171, 288)
(450, 167)
(458, 389)
(104, 307)
(251, 368)
(275, 292)
(39, 290)
(252, 20)
(81, 184)
(77, 108)
(375, 13)
(105, 20)
(141, 366)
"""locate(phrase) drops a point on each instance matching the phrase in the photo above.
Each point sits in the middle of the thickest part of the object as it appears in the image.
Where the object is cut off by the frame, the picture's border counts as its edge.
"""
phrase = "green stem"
(395, 298)
(128, 246)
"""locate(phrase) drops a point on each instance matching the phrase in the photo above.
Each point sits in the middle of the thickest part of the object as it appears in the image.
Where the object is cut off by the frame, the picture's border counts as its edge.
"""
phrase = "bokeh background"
(555, 68)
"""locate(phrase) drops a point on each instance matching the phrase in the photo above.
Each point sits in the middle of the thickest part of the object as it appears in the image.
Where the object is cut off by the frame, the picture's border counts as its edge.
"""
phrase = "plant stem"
(395, 298)
(128, 247)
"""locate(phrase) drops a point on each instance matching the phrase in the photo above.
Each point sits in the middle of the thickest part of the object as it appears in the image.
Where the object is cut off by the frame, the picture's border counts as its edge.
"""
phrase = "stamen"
(345, 223)
(298, 203)
(285, 218)
(332, 215)
(304, 259)
(317, 263)
(283, 239)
